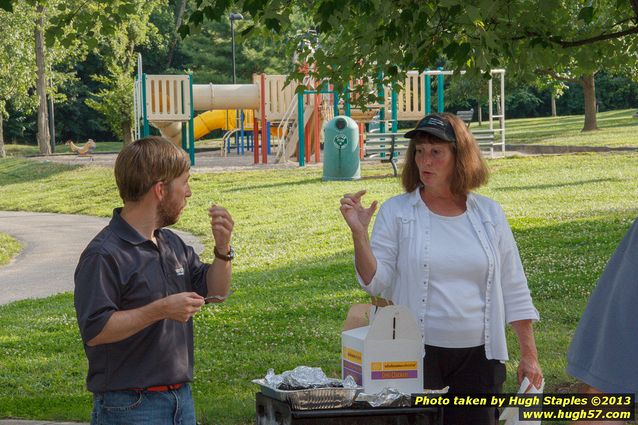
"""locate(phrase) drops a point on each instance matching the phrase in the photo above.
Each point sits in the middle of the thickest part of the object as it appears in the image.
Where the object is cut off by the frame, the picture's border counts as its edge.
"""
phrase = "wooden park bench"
(466, 116)
(386, 147)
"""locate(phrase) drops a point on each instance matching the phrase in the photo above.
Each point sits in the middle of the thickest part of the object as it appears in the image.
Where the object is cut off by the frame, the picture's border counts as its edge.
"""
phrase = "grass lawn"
(9, 248)
(294, 277)
(617, 129)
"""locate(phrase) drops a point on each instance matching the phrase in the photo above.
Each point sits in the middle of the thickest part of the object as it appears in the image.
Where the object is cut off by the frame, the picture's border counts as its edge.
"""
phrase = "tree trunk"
(480, 113)
(589, 91)
(178, 22)
(553, 100)
(43, 135)
(127, 133)
(2, 152)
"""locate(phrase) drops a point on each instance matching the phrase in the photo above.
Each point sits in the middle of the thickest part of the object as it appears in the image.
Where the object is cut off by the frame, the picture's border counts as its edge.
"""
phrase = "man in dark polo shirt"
(137, 287)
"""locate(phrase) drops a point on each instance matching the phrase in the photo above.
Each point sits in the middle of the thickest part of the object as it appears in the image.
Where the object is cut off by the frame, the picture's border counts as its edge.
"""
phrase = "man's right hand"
(182, 306)
(357, 217)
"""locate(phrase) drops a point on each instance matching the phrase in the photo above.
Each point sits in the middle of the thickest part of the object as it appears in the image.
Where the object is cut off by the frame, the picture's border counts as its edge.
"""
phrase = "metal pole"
(51, 113)
(52, 123)
(235, 17)
(232, 35)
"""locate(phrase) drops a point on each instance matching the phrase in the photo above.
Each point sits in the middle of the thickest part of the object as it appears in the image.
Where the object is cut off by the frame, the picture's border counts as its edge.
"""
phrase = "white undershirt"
(455, 312)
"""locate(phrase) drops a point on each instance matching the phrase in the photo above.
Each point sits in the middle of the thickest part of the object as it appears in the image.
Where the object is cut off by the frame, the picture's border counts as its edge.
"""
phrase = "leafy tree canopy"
(359, 38)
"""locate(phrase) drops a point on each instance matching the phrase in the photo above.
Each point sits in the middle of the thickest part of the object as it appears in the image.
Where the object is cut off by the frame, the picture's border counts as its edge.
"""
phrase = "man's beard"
(167, 213)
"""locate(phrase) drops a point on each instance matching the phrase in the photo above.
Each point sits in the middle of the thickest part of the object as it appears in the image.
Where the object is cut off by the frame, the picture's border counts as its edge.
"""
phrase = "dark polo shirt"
(121, 270)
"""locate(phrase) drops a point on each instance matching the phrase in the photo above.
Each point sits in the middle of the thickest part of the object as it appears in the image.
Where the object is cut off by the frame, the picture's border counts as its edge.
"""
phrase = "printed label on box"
(353, 370)
(399, 365)
(393, 370)
(399, 374)
(351, 355)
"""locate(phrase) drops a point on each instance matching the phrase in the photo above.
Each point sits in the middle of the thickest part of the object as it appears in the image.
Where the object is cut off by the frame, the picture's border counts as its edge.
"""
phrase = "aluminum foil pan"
(313, 398)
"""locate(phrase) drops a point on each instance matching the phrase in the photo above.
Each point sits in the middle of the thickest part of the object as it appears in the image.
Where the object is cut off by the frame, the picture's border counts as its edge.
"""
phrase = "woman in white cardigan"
(449, 255)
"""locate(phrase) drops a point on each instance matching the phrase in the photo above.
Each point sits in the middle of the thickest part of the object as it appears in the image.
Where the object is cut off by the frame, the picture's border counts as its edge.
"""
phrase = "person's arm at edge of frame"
(358, 219)
(218, 276)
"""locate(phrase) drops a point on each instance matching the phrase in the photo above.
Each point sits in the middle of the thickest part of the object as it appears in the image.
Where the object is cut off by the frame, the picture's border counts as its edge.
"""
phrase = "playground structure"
(270, 107)
(169, 102)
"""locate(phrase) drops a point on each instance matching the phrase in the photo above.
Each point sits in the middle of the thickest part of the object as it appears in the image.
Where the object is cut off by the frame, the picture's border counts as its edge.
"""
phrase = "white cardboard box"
(388, 353)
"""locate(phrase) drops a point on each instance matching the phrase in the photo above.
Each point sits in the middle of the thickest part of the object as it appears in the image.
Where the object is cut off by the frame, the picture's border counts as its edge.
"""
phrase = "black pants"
(465, 371)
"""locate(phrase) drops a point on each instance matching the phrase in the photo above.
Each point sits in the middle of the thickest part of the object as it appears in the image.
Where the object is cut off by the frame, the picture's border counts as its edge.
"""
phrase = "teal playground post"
(395, 119)
(145, 127)
(300, 132)
(346, 103)
(440, 85)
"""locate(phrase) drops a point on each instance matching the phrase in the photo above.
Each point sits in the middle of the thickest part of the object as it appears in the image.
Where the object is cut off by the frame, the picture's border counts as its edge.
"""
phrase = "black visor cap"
(434, 125)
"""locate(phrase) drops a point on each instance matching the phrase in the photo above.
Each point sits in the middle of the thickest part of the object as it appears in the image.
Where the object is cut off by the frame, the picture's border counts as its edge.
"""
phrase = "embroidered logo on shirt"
(179, 271)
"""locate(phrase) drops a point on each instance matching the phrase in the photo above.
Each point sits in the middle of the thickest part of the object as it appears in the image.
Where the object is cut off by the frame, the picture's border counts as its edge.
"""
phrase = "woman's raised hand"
(357, 217)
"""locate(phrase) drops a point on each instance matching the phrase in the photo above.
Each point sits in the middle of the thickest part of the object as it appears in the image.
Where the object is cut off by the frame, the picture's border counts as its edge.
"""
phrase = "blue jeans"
(131, 407)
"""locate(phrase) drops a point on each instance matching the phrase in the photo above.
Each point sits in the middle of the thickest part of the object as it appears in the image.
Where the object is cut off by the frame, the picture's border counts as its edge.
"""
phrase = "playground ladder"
(288, 146)
(284, 126)
(288, 123)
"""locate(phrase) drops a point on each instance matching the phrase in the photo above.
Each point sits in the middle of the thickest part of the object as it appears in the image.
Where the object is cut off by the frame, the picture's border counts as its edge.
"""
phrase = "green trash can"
(341, 150)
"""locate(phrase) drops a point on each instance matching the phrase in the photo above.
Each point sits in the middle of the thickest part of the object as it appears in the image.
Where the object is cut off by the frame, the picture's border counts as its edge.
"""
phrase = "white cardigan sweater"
(401, 245)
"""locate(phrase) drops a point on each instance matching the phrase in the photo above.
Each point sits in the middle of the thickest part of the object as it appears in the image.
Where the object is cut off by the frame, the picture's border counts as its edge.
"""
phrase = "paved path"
(207, 161)
(52, 244)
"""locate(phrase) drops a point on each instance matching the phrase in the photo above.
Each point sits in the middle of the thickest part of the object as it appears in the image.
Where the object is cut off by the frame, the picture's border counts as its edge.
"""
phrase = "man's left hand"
(222, 226)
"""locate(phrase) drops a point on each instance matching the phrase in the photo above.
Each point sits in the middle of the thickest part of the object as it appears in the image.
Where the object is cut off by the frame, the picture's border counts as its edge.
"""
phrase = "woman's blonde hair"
(470, 169)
